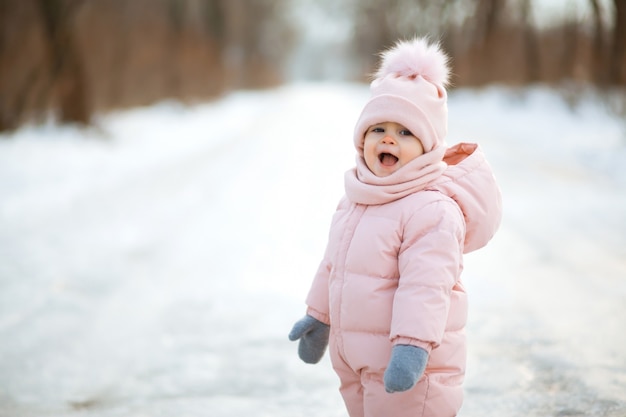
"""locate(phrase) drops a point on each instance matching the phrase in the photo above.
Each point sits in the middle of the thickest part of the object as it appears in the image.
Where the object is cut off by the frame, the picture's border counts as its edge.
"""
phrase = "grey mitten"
(313, 335)
(406, 367)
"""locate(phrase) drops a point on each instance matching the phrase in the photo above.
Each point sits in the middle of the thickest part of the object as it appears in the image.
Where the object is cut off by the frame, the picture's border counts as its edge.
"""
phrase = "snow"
(153, 265)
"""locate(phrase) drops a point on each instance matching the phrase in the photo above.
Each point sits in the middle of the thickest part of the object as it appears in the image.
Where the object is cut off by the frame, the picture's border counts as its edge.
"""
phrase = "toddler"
(387, 299)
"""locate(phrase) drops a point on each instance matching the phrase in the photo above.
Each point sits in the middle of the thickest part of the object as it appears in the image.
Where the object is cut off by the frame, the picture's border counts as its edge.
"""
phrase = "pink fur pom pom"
(413, 58)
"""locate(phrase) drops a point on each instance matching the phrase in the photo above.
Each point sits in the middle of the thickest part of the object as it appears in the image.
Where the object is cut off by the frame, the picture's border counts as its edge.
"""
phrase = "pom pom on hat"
(409, 89)
(412, 58)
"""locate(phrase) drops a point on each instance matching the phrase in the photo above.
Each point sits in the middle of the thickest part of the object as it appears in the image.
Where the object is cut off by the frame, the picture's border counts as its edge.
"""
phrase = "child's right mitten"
(313, 335)
(406, 367)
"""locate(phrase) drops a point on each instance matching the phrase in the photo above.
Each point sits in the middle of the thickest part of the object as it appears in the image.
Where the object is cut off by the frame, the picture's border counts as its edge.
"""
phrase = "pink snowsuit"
(391, 275)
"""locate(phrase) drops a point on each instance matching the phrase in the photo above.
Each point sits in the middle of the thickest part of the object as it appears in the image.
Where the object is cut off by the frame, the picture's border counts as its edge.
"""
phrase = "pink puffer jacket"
(391, 270)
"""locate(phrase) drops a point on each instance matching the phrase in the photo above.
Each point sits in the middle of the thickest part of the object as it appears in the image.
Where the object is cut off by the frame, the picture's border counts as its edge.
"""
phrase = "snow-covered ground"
(153, 265)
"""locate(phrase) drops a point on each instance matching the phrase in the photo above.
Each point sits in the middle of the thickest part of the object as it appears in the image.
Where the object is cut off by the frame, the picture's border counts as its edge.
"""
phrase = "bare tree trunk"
(176, 10)
(531, 47)
(67, 81)
(483, 34)
(115, 92)
(570, 39)
(598, 55)
(9, 117)
(487, 16)
(19, 75)
(618, 66)
(373, 32)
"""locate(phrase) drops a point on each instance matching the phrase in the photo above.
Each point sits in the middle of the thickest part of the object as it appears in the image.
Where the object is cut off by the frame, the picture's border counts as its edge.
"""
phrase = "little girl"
(388, 298)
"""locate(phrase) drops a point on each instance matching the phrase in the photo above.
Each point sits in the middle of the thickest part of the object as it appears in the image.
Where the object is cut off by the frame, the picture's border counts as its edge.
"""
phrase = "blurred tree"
(598, 63)
(118, 11)
(499, 41)
(176, 13)
(618, 61)
(213, 14)
(487, 15)
(378, 25)
(256, 40)
(23, 76)
(531, 43)
(67, 76)
(69, 58)
(570, 50)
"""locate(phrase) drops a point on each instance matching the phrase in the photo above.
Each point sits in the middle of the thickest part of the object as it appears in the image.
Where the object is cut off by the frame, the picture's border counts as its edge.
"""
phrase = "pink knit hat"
(409, 89)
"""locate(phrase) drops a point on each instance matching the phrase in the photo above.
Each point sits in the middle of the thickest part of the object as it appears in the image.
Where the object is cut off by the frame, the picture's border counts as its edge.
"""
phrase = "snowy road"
(156, 267)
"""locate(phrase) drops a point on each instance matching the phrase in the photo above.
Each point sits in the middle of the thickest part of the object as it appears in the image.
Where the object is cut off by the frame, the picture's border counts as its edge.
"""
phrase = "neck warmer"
(363, 187)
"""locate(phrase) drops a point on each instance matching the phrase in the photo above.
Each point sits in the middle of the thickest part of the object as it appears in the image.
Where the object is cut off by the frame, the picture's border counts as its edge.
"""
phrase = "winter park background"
(153, 262)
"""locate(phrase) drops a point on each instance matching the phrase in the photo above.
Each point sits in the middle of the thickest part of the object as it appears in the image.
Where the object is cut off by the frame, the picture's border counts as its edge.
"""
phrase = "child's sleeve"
(317, 300)
(318, 297)
(429, 261)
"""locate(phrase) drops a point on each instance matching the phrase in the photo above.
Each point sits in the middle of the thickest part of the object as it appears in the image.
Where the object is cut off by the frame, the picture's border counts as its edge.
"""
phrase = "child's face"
(388, 146)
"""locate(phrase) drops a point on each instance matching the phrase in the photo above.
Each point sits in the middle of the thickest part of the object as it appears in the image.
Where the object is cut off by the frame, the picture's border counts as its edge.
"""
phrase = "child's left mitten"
(406, 367)
(313, 335)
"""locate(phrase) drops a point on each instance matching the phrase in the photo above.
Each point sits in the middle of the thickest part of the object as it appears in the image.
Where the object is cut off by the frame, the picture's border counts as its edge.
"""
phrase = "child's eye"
(378, 130)
(406, 132)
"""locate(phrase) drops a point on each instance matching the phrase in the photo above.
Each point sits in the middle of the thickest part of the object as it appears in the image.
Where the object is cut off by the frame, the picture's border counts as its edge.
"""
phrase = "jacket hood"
(470, 182)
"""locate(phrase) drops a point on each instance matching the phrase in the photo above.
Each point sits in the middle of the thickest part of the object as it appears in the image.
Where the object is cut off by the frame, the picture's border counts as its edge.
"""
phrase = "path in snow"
(156, 267)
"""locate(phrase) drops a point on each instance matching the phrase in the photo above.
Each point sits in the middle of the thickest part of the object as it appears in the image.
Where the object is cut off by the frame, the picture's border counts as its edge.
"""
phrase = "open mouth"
(387, 159)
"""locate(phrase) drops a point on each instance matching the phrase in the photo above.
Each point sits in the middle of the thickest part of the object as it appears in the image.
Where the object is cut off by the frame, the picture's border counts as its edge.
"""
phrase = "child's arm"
(429, 261)
(313, 330)
(318, 298)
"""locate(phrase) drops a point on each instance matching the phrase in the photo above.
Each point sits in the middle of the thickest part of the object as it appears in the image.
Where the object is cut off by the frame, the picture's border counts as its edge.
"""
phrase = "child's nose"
(388, 139)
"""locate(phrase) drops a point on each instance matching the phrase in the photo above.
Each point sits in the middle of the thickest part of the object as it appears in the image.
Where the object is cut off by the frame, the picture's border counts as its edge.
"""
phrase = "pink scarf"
(363, 187)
